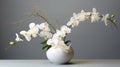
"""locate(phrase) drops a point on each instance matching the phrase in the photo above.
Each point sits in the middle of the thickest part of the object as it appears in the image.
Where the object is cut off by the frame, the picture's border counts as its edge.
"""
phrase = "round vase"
(59, 55)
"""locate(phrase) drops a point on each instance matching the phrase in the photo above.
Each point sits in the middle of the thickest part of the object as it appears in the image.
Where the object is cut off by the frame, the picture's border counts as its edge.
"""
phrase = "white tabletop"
(46, 63)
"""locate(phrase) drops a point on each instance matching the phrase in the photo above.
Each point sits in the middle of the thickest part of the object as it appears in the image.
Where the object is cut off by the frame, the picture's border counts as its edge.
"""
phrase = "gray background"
(89, 40)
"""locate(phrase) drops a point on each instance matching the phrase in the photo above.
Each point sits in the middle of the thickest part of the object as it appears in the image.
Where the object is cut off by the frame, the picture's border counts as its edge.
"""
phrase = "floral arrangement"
(57, 37)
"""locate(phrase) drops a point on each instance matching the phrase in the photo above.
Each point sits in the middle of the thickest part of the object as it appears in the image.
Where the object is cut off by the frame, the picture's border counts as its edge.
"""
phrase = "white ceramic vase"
(59, 55)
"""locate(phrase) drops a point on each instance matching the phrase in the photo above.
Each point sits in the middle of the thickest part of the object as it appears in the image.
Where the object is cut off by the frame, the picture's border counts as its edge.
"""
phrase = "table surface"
(73, 63)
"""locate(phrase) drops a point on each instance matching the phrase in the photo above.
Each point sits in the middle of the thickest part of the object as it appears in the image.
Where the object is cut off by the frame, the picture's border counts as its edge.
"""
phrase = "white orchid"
(105, 19)
(65, 29)
(26, 34)
(18, 38)
(73, 22)
(45, 34)
(44, 26)
(76, 17)
(32, 25)
(52, 42)
(87, 14)
(83, 15)
(57, 43)
(34, 30)
(61, 44)
(95, 15)
(59, 35)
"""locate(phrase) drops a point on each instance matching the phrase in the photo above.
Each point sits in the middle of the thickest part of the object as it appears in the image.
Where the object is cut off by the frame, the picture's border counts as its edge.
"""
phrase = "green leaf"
(44, 43)
(46, 47)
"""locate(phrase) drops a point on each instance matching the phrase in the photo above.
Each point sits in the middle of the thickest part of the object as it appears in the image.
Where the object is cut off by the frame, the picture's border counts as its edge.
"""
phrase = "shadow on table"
(76, 62)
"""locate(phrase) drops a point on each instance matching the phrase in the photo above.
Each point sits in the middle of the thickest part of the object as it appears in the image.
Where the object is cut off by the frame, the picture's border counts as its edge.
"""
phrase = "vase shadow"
(76, 62)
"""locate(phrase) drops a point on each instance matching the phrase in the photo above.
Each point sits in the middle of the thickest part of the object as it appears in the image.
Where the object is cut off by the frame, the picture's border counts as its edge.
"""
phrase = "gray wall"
(89, 40)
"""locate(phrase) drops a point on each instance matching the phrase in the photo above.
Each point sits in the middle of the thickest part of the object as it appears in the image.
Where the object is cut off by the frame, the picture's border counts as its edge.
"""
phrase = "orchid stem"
(46, 21)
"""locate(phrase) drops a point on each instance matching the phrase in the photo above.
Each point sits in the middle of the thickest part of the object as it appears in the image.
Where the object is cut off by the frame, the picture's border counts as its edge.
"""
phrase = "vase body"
(59, 55)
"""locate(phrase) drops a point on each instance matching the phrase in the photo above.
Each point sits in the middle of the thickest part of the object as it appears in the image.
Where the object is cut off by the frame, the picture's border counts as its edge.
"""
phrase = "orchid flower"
(45, 34)
(83, 15)
(65, 29)
(71, 24)
(44, 26)
(105, 19)
(59, 35)
(34, 30)
(95, 15)
(52, 42)
(26, 34)
(18, 38)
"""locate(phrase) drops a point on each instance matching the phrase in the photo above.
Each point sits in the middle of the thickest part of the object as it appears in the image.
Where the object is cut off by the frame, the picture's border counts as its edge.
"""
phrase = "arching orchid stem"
(46, 21)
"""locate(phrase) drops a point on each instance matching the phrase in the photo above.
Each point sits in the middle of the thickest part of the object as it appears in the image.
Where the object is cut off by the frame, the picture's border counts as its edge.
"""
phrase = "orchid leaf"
(46, 47)
(44, 42)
